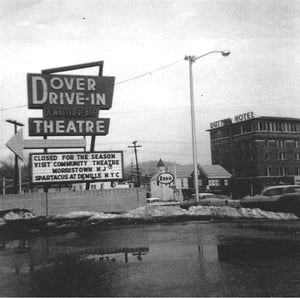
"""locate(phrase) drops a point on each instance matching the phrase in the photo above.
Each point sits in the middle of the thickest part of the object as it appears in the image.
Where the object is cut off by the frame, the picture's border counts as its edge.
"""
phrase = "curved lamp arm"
(224, 53)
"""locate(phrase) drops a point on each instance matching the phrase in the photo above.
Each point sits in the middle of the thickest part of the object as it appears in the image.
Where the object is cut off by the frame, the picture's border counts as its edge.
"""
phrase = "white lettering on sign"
(64, 90)
(243, 117)
(220, 123)
(165, 178)
(76, 167)
(40, 127)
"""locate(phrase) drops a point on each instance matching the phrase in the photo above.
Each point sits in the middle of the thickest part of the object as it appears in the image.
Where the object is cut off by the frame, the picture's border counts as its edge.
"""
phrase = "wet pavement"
(238, 258)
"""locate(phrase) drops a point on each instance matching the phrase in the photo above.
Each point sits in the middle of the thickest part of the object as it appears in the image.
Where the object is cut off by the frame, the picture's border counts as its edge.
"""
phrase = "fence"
(53, 203)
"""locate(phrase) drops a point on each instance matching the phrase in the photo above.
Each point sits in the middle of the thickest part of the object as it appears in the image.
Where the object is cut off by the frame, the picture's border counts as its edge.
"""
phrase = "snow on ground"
(216, 212)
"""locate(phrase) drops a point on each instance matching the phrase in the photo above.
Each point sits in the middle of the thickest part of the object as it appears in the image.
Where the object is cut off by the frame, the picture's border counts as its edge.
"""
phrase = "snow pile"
(155, 211)
(215, 212)
(101, 215)
(76, 214)
(199, 210)
(13, 215)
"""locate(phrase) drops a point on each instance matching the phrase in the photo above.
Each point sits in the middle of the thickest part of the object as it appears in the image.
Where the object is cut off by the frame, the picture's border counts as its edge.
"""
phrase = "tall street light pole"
(17, 179)
(191, 60)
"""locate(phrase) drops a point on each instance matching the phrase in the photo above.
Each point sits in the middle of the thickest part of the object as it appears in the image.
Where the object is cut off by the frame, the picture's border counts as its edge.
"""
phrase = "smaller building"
(211, 178)
(163, 191)
(215, 179)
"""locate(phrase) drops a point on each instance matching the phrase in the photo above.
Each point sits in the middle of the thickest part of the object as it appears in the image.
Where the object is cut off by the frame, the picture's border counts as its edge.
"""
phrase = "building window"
(214, 182)
(262, 126)
(226, 182)
(200, 182)
(297, 143)
(279, 143)
(267, 155)
(281, 171)
(297, 171)
(281, 156)
(268, 171)
(297, 156)
(182, 183)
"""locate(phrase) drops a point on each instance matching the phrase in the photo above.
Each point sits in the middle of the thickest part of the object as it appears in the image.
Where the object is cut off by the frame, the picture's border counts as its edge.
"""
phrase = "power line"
(149, 72)
(117, 83)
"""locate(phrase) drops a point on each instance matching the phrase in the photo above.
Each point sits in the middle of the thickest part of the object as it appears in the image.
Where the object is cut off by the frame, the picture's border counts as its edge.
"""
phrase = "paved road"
(183, 259)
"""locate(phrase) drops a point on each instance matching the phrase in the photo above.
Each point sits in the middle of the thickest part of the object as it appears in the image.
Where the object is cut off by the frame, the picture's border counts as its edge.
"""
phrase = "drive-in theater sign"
(71, 104)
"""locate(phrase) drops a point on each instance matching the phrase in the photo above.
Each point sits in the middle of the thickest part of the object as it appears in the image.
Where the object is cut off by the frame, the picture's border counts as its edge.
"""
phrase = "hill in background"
(147, 168)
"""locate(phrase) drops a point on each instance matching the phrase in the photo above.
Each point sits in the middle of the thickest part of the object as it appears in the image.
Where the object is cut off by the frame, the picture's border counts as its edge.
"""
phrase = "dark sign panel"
(70, 127)
(69, 91)
(65, 112)
(76, 167)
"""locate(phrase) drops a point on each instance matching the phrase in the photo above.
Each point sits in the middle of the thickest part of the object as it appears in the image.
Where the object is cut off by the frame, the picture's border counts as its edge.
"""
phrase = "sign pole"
(20, 178)
(16, 123)
(93, 138)
(3, 185)
(75, 67)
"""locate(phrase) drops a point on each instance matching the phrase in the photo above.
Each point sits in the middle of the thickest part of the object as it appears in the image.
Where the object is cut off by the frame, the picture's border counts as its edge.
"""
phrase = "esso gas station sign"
(165, 178)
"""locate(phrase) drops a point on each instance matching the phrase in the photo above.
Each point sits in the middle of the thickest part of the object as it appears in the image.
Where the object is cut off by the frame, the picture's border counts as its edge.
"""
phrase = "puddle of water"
(161, 260)
(258, 249)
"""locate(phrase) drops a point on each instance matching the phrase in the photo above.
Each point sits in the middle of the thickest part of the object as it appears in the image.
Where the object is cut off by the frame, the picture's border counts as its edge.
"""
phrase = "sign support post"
(75, 67)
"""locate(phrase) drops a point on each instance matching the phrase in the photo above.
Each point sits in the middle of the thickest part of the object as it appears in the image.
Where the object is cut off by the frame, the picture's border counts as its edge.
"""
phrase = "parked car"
(203, 198)
(159, 202)
(280, 198)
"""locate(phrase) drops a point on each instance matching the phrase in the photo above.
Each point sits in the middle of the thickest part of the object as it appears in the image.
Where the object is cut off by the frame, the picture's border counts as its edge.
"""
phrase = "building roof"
(274, 118)
(214, 171)
(160, 164)
(182, 171)
(210, 171)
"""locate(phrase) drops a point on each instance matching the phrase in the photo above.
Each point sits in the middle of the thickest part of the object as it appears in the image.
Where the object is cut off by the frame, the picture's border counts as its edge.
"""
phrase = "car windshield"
(273, 191)
(150, 201)
(293, 189)
(208, 196)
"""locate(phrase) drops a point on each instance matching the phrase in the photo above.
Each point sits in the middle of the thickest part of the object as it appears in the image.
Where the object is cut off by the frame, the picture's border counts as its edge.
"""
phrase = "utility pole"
(16, 124)
(131, 164)
(136, 161)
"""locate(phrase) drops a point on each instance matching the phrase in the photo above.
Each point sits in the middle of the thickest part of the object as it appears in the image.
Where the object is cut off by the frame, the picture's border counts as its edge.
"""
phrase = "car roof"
(281, 186)
(206, 193)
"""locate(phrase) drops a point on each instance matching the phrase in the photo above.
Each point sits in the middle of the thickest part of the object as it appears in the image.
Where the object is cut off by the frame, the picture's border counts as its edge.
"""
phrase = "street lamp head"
(225, 53)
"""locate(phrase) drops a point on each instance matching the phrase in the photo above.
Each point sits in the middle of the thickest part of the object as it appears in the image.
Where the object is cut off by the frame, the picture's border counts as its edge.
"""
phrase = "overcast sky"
(137, 37)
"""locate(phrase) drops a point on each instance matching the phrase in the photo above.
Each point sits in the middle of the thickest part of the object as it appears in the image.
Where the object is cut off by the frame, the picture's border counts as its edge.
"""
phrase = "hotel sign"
(243, 117)
(76, 167)
(69, 97)
(228, 121)
(220, 123)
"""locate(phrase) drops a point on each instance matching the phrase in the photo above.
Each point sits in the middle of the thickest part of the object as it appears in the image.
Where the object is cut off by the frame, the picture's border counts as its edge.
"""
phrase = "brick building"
(257, 151)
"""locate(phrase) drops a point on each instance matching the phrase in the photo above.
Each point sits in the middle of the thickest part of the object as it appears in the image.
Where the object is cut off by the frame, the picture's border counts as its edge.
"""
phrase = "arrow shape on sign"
(17, 144)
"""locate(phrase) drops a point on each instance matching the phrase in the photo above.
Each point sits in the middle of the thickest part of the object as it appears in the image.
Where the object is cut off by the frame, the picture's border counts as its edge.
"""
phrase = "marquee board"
(71, 167)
